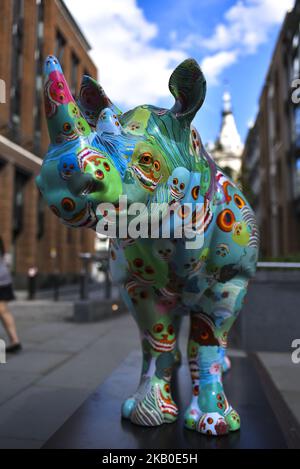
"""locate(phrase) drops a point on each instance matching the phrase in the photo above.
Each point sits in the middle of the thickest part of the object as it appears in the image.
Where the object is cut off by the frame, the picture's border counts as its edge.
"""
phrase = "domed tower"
(227, 149)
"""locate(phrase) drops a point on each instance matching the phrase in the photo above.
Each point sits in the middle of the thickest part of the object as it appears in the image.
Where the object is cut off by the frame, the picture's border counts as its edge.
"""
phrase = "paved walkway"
(63, 362)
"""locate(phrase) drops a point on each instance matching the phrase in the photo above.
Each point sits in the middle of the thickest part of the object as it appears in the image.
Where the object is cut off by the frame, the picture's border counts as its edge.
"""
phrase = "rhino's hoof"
(127, 407)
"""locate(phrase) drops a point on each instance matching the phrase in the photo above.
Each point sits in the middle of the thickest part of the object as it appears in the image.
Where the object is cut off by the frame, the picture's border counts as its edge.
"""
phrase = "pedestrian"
(7, 294)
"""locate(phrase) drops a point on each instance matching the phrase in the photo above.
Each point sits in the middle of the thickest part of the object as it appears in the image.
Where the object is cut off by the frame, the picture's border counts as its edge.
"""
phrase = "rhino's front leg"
(152, 404)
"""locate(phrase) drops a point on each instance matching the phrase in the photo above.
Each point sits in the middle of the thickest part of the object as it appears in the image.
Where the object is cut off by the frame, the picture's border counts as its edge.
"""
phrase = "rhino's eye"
(99, 174)
(68, 204)
(106, 166)
(60, 85)
(175, 181)
(146, 158)
(182, 186)
(170, 329)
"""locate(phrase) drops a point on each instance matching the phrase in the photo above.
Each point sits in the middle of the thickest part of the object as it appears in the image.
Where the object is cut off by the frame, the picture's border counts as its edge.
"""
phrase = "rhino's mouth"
(149, 182)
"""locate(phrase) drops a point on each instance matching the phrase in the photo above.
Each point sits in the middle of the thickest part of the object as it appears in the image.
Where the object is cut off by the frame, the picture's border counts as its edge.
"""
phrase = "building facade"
(29, 31)
(271, 158)
(227, 149)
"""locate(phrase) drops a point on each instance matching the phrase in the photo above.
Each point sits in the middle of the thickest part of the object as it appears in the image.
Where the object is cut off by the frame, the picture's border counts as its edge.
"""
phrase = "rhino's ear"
(92, 100)
(188, 86)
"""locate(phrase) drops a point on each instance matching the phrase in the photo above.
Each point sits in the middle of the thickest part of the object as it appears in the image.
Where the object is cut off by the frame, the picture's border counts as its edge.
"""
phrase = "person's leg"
(8, 323)
(209, 411)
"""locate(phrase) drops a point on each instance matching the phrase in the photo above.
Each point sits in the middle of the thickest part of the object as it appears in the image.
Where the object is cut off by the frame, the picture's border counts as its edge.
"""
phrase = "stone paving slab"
(13, 382)
(13, 443)
(38, 411)
(33, 362)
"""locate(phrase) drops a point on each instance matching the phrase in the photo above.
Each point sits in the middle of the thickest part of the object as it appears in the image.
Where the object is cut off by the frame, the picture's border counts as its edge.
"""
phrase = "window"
(17, 61)
(60, 45)
(74, 73)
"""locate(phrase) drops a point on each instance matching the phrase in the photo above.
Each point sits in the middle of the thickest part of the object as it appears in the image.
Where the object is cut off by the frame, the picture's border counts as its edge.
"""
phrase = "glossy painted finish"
(152, 155)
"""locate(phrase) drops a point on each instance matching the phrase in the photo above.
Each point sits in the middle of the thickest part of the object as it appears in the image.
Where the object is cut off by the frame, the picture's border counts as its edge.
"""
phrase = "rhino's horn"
(65, 122)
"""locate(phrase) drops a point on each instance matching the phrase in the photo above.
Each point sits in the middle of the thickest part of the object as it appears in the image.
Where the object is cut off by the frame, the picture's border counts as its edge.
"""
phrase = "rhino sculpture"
(154, 156)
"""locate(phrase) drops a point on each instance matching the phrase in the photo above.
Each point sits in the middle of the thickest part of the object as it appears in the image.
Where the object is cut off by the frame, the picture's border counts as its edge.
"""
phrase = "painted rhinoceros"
(97, 156)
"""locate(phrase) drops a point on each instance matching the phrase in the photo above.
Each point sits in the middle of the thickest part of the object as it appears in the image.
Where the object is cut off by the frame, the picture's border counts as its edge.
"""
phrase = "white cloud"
(132, 70)
(248, 24)
(213, 65)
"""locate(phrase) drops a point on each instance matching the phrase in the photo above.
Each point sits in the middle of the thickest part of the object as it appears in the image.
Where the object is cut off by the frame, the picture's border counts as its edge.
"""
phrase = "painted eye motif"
(60, 85)
(225, 220)
(171, 329)
(146, 158)
(99, 174)
(238, 201)
(67, 127)
(55, 210)
(195, 192)
(106, 166)
(182, 186)
(158, 328)
(138, 262)
(204, 335)
(149, 270)
(156, 165)
(68, 204)
(167, 388)
(175, 181)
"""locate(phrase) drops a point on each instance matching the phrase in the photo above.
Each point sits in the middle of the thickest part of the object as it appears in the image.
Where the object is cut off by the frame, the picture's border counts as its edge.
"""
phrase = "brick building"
(271, 158)
(29, 31)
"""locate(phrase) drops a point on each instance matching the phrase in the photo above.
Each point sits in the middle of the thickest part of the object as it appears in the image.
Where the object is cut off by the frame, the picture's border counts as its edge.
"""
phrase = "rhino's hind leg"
(152, 404)
(209, 411)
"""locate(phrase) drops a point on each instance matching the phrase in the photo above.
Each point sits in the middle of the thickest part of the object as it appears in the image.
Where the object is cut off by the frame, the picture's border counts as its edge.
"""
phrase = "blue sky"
(137, 43)
(243, 79)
